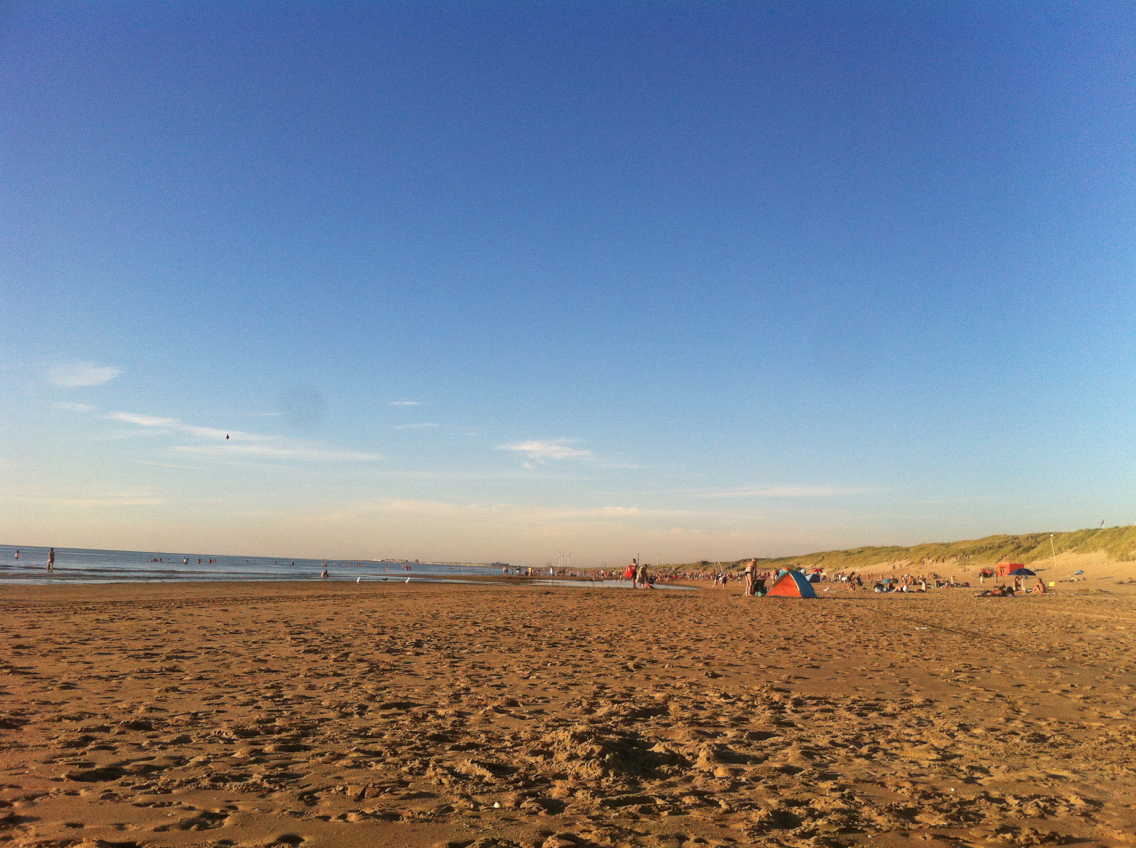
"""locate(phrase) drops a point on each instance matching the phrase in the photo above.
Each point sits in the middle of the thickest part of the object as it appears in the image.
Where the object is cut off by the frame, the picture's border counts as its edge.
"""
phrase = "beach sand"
(488, 715)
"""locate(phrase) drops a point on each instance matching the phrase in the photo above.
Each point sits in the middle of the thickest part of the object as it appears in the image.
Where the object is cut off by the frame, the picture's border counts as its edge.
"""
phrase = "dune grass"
(1117, 543)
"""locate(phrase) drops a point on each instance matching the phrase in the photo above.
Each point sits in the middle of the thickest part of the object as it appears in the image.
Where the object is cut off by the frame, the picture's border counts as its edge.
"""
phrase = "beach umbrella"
(1022, 571)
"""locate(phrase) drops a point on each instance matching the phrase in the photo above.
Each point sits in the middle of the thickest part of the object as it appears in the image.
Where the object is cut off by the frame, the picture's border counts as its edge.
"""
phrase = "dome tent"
(791, 584)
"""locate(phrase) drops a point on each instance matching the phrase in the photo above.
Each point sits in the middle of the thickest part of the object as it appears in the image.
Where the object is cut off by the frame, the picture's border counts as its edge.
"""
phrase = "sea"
(87, 565)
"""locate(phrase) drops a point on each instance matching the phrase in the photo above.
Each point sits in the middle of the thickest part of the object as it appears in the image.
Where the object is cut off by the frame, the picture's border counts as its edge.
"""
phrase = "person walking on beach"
(641, 576)
(51, 560)
(750, 574)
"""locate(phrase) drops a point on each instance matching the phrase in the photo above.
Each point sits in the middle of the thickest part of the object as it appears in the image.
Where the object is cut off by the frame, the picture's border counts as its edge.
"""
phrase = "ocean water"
(84, 565)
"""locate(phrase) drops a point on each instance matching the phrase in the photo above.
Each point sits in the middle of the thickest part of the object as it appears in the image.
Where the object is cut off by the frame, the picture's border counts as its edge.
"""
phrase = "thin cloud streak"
(240, 443)
(104, 499)
(90, 503)
(515, 531)
(76, 374)
(541, 450)
(173, 465)
(782, 492)
(524, 514)
(174, 425)
(474, 476)
(271, 452)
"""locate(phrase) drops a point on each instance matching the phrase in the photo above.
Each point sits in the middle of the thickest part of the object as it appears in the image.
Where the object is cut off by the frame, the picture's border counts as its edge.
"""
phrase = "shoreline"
(105, 567)
(306, 586)
(1102, 585)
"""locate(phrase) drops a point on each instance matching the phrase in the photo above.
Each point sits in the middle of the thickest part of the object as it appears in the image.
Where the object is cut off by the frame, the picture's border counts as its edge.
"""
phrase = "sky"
(515, 281)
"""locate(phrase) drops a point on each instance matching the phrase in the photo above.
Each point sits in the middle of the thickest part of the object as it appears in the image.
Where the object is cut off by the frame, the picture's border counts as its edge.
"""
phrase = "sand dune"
(430, 715)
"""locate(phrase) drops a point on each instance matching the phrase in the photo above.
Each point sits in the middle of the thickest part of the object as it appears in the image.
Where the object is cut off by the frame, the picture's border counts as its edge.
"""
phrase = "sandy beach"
(491, 715)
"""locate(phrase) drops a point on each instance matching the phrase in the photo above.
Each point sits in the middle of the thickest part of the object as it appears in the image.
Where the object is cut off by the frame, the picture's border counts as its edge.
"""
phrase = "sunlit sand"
(491, 715)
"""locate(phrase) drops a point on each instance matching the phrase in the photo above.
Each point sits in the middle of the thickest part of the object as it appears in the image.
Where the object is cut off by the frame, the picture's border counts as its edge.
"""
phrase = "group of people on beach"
(754, 582)
(908, 583)
(1019, 587)
(637, 573)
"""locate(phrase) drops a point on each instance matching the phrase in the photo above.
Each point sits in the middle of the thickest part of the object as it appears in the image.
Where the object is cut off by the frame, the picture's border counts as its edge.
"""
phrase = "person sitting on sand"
(1038, 588)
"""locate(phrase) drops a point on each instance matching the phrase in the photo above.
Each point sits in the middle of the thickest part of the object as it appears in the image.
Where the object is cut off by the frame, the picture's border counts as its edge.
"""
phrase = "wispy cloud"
(175, 465)
(74, 374)
(407, 403)
(314, 454)
(423, 426)
(175, 425)
(98, 499)
(144, 420)
(541, 451)
(233, 443)
(74, 407)
(514, 513)
(488, 530)
(823, 491)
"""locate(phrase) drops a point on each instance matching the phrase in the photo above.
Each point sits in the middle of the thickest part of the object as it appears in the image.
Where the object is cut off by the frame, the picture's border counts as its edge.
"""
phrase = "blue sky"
(495, 281)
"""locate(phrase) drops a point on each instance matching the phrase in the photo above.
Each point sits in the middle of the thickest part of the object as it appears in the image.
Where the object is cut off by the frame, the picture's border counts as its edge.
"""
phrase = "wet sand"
(489, 715)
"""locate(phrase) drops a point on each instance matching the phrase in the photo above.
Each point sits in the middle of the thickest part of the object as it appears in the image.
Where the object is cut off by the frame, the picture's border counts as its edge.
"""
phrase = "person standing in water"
(51, 560)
